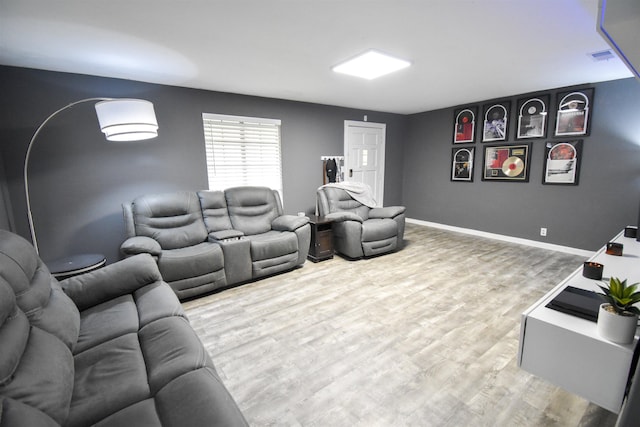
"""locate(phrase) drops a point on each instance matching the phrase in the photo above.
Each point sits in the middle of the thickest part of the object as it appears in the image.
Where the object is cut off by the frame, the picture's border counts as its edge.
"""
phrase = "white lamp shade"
(127, 119)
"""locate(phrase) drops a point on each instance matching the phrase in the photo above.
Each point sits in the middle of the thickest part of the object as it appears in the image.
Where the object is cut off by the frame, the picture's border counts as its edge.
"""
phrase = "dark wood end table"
(73, 265)
(321, 247)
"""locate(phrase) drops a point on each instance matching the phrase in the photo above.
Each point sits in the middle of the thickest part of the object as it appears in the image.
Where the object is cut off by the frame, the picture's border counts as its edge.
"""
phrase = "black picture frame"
(532, 117)
(562, 162)
(462, 159)
(464, 125)
(506, 163)
(573, 113)
(495, 125)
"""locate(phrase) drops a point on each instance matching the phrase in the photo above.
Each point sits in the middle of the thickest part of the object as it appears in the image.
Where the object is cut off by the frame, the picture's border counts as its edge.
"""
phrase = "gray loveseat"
(206, 240)
(107, 348)
(359, 230)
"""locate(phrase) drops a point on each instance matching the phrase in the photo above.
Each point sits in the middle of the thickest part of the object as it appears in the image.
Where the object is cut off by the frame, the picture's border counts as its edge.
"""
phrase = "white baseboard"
(527, 242)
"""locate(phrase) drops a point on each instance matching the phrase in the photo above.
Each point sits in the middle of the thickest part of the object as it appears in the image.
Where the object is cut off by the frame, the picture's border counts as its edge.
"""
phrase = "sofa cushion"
(272, 244)
(197, 398)
(14, 333)
(378, 229)
(106, 321)
(156, 301)
(171, 348)
(190, 261)
(37, 293)
(386, 212)
(339, 200)
(252, 209)
(140, 414)
(36, 368)
(214, 210)
(126, 314)
(16, 414)
(173, 219)
(108, 377)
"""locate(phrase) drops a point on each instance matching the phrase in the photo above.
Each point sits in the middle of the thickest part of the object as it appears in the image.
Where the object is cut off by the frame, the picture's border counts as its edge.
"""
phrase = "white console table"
(567, 350)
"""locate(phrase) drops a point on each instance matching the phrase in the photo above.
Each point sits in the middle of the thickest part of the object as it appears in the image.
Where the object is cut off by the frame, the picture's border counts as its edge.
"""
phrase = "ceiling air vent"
(602, 55)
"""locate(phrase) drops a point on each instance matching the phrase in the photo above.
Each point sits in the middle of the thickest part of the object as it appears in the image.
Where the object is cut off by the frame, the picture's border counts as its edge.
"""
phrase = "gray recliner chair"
(359, 230)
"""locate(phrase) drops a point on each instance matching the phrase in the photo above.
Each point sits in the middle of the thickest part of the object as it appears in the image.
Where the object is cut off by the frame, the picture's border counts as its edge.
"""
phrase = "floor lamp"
(119, 119)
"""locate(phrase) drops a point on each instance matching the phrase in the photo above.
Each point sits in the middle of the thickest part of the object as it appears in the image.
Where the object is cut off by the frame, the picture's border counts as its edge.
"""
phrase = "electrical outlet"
(543, 231)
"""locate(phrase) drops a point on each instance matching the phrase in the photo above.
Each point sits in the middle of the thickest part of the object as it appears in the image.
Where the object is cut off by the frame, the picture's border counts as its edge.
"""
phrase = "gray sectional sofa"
(206, 240)
(107, 348)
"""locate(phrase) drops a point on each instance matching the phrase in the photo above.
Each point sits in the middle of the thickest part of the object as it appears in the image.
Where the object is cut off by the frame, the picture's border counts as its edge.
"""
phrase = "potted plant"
(618, 318)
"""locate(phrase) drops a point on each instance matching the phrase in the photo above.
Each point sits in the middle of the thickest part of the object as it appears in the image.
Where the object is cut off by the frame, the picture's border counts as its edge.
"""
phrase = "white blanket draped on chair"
(357, 190)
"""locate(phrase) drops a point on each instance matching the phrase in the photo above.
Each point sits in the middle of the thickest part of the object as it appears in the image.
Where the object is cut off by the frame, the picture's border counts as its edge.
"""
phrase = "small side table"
(73, 265)
(321, 247)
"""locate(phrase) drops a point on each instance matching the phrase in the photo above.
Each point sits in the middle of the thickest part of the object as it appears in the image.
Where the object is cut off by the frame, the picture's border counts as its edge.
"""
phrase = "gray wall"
(583, 216)
(78, 181)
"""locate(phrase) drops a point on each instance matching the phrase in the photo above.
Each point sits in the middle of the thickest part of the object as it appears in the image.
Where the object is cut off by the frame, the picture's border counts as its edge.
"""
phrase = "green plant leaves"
(620, 296)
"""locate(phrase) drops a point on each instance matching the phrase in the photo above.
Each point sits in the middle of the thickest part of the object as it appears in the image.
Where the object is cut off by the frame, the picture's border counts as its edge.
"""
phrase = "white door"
(364, 155)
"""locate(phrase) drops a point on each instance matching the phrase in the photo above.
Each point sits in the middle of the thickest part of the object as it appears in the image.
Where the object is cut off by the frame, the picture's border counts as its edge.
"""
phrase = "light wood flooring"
(426, 336)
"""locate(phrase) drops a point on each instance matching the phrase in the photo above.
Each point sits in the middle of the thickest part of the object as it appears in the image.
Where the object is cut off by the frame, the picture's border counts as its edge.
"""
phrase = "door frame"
(381, 162)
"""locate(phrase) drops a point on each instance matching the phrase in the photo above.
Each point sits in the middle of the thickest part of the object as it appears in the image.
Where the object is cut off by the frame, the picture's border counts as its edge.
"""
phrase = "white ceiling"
(462, 50)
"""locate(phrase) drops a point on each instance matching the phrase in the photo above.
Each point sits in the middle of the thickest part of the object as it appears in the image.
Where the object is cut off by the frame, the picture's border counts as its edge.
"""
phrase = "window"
(242, 151)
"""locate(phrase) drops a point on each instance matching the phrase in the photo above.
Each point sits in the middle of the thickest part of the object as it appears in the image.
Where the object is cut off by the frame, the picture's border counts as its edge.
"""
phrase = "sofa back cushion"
(36, 368)
(252, 209)
(172, 219)
(340, 201)
(214, 211)
(38, 293)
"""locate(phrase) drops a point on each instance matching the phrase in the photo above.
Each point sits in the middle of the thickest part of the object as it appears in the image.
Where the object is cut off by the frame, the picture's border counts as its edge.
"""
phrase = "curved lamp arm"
(113, 123)
(26, 161)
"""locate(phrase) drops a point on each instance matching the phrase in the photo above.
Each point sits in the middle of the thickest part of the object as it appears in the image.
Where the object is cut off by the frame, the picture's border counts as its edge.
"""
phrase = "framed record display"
(506, 163)
(496, 120)
(573, 112)
(532, 117)
(462, 164)
(562, 162)
(464, 125)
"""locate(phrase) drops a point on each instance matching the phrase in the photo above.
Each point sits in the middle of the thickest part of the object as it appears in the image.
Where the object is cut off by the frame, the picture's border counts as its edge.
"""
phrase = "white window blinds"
(242, 151)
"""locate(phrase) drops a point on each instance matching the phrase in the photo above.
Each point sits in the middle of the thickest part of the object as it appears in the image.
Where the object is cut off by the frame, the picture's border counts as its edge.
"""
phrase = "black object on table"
(578, 302)
(73, 265)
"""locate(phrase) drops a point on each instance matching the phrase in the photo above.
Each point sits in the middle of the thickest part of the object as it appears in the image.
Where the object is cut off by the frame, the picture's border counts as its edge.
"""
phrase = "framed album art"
(573, 112)
(462, 164)
(464, 126)
(496, 121)
(562, 162)
(532, 117)
(506, 163)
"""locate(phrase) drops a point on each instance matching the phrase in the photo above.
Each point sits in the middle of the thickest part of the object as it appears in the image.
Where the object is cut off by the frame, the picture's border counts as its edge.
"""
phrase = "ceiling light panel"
(370, 65)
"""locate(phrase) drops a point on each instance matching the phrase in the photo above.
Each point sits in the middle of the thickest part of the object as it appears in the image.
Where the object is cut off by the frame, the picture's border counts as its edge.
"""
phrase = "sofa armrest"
(386, 212)
(117, 279)
(343, 216)
(216, 236)
(140, 245)
(289, 222)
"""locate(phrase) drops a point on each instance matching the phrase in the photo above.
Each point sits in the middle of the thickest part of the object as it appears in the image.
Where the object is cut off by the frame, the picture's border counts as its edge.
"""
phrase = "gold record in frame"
(513, 166)
(506, 163)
